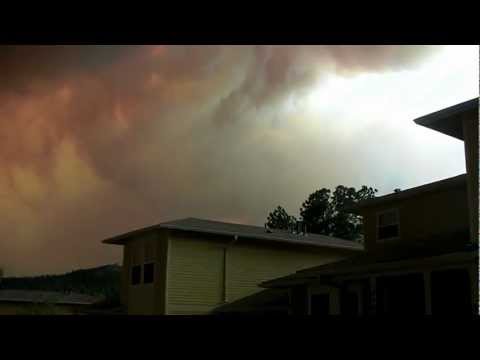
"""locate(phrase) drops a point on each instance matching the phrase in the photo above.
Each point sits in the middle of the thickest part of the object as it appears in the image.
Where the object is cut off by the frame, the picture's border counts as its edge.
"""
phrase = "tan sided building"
(192, 266)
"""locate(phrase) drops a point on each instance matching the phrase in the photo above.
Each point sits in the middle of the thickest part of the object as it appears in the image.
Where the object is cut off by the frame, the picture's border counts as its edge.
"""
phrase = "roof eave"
(446, 120)
(307, 275)
(453, 182)
(121, 239)
(356, 247)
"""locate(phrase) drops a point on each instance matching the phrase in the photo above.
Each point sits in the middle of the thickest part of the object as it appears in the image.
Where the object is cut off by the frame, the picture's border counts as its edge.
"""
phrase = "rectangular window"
(320, 304)
(136, 274)
(148, 273)
(388, 225)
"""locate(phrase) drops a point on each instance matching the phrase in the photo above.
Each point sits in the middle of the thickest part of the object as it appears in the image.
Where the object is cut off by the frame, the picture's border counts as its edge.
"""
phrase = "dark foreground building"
(421, 246)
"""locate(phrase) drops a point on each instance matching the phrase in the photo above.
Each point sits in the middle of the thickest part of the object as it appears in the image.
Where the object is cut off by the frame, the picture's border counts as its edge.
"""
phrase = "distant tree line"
(325, 212)
(101, 281)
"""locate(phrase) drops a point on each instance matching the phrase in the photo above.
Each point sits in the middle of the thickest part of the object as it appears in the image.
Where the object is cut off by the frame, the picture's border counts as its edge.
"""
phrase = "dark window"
(281, 301)
(388, 225)
(320, 304)
(451, 292)
(349, 303)
(387, 232)
(299, 301)
(136, 274)
(401, 295)
(148, 273)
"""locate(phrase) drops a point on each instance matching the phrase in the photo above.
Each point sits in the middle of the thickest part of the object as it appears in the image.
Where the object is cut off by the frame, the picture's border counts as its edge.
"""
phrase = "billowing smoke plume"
(98, 140)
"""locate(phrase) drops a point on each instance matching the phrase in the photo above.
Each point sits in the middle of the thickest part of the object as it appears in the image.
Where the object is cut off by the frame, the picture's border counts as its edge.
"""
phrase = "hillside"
(103, 280)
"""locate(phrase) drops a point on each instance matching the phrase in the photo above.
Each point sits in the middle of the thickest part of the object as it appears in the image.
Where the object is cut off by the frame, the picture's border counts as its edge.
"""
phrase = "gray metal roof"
(448, 120)
(245, 232)
(44, 297)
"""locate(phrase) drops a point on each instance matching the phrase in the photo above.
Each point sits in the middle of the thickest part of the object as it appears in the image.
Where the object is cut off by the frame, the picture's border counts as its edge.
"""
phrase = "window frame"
(377, 225)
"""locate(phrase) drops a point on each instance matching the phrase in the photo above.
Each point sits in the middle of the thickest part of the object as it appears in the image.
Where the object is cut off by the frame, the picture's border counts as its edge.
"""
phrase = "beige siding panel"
(249, 265)
(195, 276)
(196, 270)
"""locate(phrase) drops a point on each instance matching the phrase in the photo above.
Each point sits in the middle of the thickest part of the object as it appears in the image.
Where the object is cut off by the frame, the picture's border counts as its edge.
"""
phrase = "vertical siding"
(195, 275)
(249, 264)
(196, 270)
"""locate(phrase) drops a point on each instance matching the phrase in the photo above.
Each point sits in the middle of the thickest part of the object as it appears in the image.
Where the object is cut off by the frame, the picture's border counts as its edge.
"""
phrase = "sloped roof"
(455, 181)
(52, 297)
(377, 260)
(245, 232)
(448, 120)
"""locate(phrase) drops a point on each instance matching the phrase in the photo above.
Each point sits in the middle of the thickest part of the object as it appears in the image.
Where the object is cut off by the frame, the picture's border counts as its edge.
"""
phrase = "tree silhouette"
(325, 213)
(280, 219)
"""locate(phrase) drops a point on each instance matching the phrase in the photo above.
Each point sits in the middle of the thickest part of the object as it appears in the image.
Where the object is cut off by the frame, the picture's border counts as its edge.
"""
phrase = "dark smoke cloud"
(24, 66)
(97, 140)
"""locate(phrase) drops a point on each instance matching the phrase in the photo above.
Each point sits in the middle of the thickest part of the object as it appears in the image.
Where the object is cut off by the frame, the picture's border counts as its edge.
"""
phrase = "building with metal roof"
(192, 266)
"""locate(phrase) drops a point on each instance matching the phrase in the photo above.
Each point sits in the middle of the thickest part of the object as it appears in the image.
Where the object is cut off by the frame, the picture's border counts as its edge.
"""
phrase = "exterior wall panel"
(423, 216)
(195, 275)
(248, 265)
(197, 270)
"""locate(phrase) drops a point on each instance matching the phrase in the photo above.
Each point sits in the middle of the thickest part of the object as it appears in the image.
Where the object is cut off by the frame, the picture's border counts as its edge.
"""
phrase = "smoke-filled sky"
(99, 140)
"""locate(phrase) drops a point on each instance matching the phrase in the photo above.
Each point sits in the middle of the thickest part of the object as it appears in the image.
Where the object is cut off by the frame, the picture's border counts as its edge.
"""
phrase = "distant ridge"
(98, 281)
